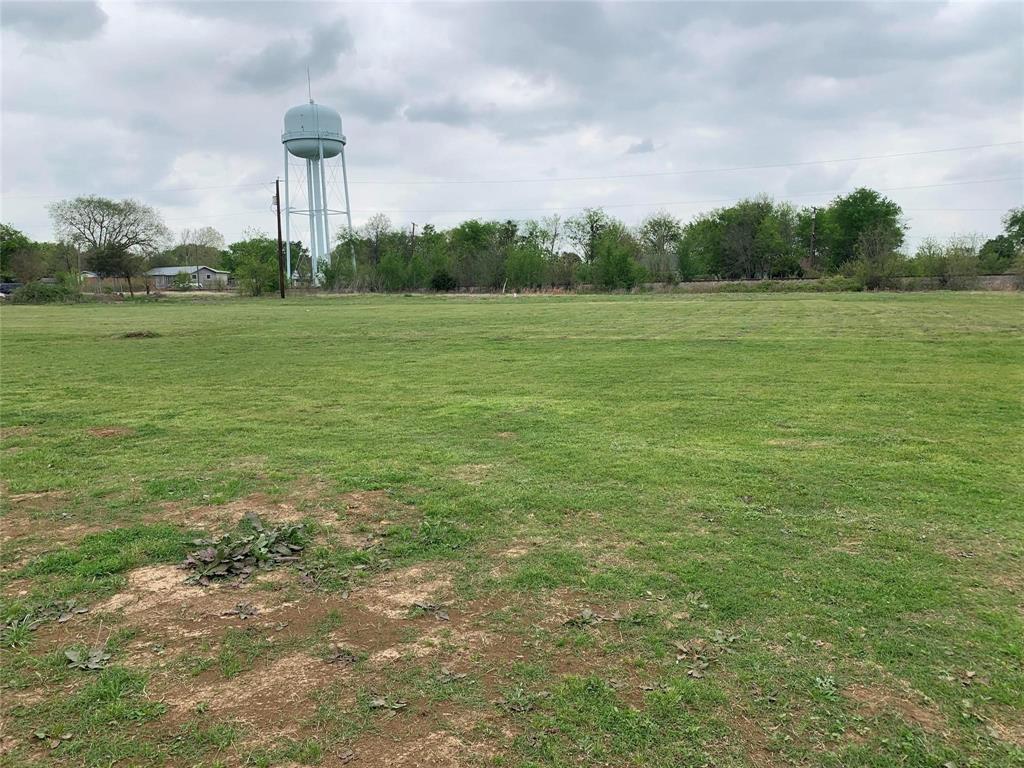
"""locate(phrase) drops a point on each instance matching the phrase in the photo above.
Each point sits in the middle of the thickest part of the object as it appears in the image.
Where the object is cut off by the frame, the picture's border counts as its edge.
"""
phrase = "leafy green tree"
(878, 265)
(954, 264)
(584, 230)
(1003, 252)
(253, 263)
(700, 247)
(526, 265)
(112, 260)
(850, 216)
(474, 248)
(393, 272)
(13, 243)
(658, 239)
(614, 265)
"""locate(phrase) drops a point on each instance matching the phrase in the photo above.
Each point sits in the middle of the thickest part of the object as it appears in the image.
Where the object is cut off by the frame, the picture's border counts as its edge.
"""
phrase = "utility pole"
(280, 245)
(412, 245)
(814, 219)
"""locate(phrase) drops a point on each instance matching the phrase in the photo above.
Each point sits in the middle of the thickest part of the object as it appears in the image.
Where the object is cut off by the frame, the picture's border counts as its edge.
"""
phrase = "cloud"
(283, 62)
(641, 147)
(155, 97)
(41, 20)
(447, 111)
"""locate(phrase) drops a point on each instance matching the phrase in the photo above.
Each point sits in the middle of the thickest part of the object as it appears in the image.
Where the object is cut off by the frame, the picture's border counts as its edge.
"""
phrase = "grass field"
(564, 531)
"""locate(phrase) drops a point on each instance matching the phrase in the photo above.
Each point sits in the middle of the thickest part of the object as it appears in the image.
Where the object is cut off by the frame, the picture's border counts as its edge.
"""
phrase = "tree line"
(859, 235)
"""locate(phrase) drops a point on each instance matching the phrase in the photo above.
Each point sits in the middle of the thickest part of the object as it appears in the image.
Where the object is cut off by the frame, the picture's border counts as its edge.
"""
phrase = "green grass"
(833, 479)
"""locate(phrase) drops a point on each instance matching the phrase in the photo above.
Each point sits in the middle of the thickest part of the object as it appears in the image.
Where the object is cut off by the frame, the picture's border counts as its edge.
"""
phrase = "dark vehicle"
(8, 288)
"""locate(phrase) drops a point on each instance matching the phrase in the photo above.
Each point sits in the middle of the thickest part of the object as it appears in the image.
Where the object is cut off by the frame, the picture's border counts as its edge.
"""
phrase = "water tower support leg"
(312, 216)
(287, 224)
(323, 204)
(348, 210)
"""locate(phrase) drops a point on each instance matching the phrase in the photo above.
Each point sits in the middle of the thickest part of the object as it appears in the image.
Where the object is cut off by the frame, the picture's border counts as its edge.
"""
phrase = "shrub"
(442, 281)
(45, 293)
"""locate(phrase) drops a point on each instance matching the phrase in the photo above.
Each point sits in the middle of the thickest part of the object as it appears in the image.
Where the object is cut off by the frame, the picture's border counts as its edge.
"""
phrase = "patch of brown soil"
(507, 435)
(395, 593)
(43, 501)
(1012, 733)
(110, 432)
(8, 432)
(177, 617)
(454, 644)
(226, 516)
(755, 741)
(49, 531)
(398, 748)
(367, 503)
(473, 474)
(873, 701)
(273, 699)
(507, 556)
(308, 500)
(155, 588)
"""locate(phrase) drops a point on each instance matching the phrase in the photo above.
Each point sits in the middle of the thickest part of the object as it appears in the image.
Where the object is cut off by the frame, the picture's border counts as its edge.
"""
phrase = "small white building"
(200, 277)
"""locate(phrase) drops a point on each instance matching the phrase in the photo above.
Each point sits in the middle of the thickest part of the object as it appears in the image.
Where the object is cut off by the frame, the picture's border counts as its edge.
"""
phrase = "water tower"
(312, 133)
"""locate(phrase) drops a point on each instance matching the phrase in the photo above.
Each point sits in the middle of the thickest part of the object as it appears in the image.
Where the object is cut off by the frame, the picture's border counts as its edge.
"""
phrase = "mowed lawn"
(727, 530)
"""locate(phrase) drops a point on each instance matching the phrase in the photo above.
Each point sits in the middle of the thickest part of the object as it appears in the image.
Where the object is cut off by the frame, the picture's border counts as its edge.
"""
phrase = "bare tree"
(376, 228)
(584, 230)
(116, 234)
(201, 247)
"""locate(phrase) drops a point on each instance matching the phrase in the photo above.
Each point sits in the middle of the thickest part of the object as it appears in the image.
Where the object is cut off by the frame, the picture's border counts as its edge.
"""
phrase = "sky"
(495, 110)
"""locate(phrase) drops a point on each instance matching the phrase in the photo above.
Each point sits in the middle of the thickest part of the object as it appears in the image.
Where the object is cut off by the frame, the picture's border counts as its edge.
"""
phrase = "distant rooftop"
(171, 271)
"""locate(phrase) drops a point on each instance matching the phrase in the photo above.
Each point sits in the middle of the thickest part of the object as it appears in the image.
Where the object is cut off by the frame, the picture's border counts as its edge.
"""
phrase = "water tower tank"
(306, 125)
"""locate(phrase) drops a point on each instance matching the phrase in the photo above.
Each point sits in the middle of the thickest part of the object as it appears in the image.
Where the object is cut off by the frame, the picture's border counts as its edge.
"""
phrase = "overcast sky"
(152, 100)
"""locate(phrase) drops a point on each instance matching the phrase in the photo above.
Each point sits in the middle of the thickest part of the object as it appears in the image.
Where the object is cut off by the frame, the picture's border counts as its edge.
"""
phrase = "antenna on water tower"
(312, 132)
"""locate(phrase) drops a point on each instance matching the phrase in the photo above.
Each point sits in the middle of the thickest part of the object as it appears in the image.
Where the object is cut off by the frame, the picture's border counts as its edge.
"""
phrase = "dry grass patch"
(415, 746)
(473, 474)
(110, 432)
(873, 701)
(396, 593)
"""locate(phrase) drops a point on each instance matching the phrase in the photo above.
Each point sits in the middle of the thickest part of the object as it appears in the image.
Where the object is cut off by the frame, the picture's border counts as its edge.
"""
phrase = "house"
(200, 277)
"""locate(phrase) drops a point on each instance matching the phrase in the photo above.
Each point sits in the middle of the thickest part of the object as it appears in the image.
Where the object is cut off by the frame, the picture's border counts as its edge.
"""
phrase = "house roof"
(172, 271)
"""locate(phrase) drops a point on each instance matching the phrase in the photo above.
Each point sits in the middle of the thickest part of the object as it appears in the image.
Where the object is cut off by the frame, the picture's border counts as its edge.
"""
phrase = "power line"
(172, 189)
(709, 201)
(691, 171)
(656, 174)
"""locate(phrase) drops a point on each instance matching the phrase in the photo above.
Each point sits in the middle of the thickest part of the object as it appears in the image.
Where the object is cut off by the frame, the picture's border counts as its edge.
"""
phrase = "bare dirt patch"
(9, 432)
(396, 593)
(154, 588)
(273, 699)
(414, 746)
(755, 741)
(874, 700)
(508, 556)
(42, 501)
(110, 432)
(1012, 733)
(49, 531)
(222, 517)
